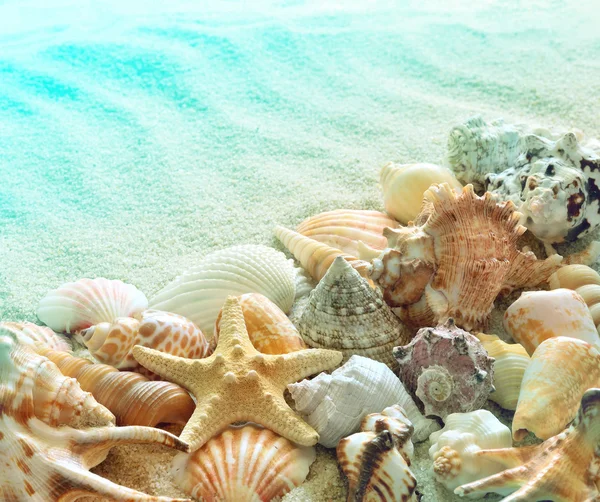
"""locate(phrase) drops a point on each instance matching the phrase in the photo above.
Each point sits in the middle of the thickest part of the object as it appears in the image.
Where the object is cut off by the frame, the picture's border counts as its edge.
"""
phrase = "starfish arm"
(498, 483)
(203, 425)
(172, 368)
(509, 458)
(233, 327)
(303, 363)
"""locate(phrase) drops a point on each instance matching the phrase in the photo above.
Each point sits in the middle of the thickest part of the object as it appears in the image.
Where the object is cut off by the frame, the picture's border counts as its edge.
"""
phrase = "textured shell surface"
(561, 370)
(344, 313)
(453, 449)
(403, 186)
(199, 293)
(78, 305)
(538, 315)
(447, 369)
(335, 404)
(456, 260)
(243, 464)
(395, 420)
(510, 362)
(31, 334)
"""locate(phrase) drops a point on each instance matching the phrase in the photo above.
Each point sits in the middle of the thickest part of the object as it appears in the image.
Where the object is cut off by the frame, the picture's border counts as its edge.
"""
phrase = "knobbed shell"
(81, 304)
(31, 334)
(199, 293)
(243, 464)
(447, 369)
(539, 315)
(403, 186)
(344, 313)
(453, 449)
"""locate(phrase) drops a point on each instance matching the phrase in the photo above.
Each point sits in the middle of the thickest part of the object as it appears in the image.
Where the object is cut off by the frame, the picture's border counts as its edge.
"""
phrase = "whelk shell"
(31, 334)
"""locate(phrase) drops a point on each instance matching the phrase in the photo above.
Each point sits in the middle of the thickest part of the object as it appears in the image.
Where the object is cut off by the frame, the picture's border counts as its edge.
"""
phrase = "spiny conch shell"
(314, 256)
(539, 315)
(343, 229)
(81, 304)
(344, 313)
(132, 398)
(447, 369)
(561, 370)
(243, 464)
(269, 329)
(563, 468)
(199, 293)
(458, 261)
(335, 404)
(510, 362)
(31, 334)
(453, 449)
(403, 186)
(43, 462)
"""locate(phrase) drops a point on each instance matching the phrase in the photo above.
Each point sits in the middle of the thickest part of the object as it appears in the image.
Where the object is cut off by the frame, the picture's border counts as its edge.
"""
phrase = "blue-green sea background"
(137, 136)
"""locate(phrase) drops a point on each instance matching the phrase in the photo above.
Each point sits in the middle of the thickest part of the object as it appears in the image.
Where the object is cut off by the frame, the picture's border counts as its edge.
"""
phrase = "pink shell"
(30, 334)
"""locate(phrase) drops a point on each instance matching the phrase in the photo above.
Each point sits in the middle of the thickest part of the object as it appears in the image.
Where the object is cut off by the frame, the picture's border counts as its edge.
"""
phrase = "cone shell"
(561, 370)
(199, 293)
(510, 362)
(539, 315)
(31, 334)
(345, 314)
(403, 186)
(78, 305)
(246, 464)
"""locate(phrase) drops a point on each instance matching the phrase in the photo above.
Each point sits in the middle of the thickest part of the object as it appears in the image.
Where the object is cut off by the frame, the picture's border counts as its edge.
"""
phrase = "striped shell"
(247, 464)
(31, 334)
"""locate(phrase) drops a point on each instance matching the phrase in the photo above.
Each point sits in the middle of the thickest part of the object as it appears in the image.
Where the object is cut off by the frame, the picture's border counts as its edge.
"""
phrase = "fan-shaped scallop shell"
(344, 313)
(199, 293)
(81, 304)
(247, 464)
(32, 334)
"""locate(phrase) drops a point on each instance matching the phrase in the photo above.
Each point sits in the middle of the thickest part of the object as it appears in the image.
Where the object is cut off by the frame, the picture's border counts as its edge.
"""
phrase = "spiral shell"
(31, 334)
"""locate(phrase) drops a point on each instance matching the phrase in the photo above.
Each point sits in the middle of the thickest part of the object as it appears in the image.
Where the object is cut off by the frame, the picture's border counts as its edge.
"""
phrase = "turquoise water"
(137, 136)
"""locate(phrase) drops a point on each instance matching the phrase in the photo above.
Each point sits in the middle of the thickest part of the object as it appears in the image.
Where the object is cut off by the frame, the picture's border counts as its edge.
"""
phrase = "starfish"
(237, 383)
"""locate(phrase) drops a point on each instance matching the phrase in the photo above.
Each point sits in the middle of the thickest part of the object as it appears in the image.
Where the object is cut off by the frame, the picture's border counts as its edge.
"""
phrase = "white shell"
(31, 334)
(335, 405)
(453, 448)
(81, 304)
(199, 293)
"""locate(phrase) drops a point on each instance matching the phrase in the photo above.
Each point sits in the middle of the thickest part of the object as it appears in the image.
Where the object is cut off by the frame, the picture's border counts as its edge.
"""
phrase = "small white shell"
(81, 304)
(199, 293)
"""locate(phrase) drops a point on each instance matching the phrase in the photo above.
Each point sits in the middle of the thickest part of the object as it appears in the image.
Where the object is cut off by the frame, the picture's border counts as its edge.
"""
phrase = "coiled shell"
(31, 334)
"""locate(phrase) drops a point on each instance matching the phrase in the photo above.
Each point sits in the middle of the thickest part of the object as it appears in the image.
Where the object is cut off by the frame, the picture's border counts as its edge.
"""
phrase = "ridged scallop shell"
(31, 334)
(343, 229)
(561, 370)
(453, 449)
(403, 186)
(539, 315)
(199, 293)
(81, 304)
(457, 261)
(344, 313)
(510, 362)
(132, 398)
(447, 369)
(335, 404)
(247, 464)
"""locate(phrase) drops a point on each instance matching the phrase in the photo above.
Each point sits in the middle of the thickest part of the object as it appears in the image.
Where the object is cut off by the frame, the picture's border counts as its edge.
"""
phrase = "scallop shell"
(343, 229)
(454, 448)
(447, 369)
(246, 464)
(510, 362)
(31, 334)
(78, 305)
(539, 315)
(269, 329)
(345, 314)
(561, 370)
(199, 293)
(335, 404)
(403, 186)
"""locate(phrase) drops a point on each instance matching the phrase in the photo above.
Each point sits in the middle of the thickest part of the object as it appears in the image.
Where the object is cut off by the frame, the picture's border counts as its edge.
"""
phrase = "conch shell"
(31, 334)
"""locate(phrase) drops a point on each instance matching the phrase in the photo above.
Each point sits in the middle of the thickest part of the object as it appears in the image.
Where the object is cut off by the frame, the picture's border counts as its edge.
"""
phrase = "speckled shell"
(539, 315)
(344, 313)
(561, 370)
(510, 362)
(81, 304)
(453, 448)
(343, 229)
(247, 464)
(447, 369)
(335, 404)
(456, 262)
(31, 334)
(199, 293)
(403, 186)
